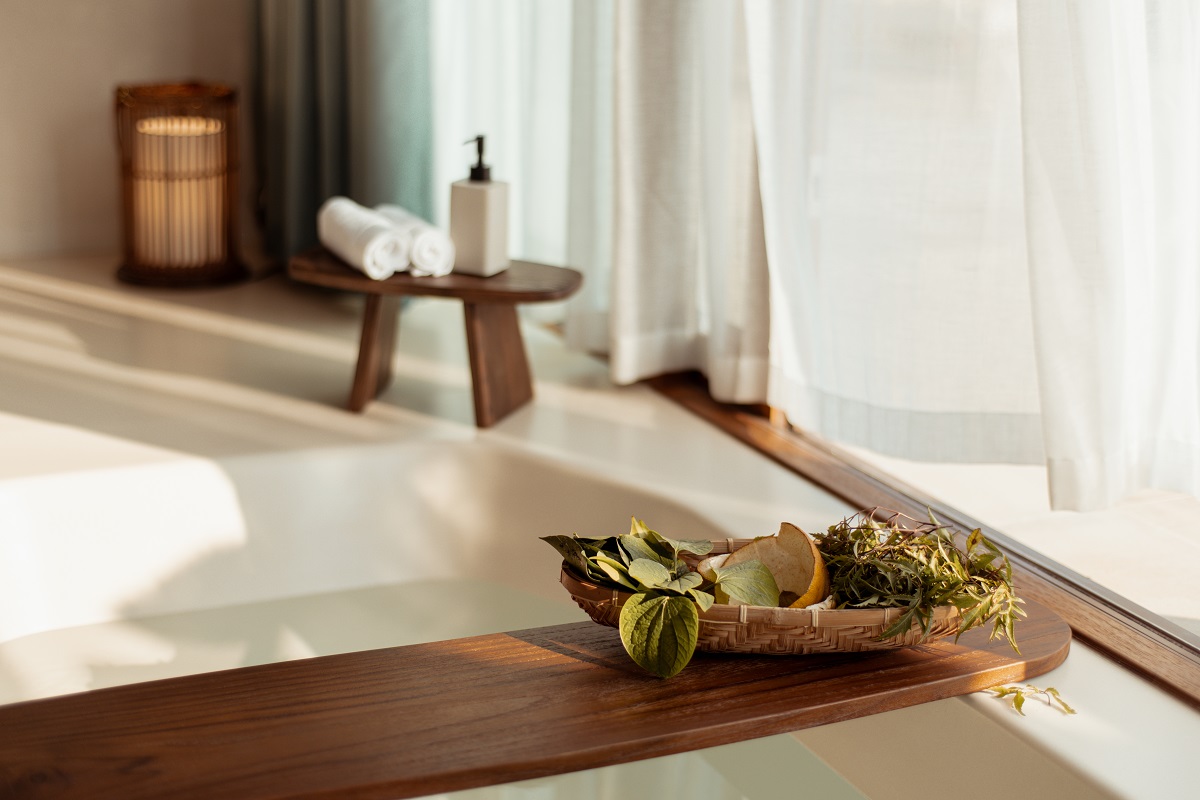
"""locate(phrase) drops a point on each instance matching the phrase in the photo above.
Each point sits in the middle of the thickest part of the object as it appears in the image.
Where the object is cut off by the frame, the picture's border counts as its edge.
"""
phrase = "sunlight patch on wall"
(81, 545)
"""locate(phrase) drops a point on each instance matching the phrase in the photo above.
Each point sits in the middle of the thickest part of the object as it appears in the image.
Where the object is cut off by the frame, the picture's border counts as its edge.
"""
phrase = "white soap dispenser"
(479, 220)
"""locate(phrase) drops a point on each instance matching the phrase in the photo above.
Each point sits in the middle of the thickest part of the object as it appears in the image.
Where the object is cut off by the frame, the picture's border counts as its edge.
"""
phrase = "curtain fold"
(590, 174)
(507, 71)
(504, 70)
(301, 117)
(1112, 175)
(688, 282)
(889, 155)
(389, 103)
(344, 91)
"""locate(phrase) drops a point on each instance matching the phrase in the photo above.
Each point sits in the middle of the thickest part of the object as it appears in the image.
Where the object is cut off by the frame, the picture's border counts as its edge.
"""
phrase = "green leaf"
(639, 548)
(637, 527)
(659, 632)
(686, 581)
(969, 619)
(614, 569)
(590, 545)
(703, 599)
(1050, 690)
(662, 545)
(590, 539)
(650, 574)
(674, 547)
(697, 546)
(749, 582)
(901, 625)
(572, 552)
(1022, 693)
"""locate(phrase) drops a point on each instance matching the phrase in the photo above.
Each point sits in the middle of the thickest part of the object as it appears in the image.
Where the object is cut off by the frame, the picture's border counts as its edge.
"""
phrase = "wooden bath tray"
(438, 717)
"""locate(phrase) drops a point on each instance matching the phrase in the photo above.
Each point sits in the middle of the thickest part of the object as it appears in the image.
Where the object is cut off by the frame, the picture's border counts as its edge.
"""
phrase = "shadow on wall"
(63, 60)
(70, 343)
(240, 369)
(193, 392)
(405, 512)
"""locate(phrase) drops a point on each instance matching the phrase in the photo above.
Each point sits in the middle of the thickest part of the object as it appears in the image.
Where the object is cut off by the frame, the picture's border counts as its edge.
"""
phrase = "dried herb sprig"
(883, 559)
(1018, 695)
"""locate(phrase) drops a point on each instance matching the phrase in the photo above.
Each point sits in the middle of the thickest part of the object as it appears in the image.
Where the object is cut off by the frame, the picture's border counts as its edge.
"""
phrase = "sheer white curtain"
(890, 159)
(1111, 110)
(625, 131)
(590, 184)
(535, 77)
(688, 286)
(983, 239)
(981, 236)
(504, 70)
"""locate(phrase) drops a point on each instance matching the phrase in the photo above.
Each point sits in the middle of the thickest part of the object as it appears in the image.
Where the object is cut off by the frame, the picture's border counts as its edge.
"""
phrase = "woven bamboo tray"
(774, 631)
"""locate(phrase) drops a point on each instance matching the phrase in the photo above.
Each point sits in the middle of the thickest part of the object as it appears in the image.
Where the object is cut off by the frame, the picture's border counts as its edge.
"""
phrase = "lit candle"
(179, 191)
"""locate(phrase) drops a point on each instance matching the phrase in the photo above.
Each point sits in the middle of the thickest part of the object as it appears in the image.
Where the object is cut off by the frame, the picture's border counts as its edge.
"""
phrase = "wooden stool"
(500, 377)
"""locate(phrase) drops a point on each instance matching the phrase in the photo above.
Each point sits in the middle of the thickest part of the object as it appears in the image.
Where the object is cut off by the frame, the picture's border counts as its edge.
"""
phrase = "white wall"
(60, 62)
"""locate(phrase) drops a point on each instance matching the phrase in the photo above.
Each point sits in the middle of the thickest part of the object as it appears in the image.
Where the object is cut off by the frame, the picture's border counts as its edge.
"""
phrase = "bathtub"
(229, 567)
(163, 518)
(408, 525)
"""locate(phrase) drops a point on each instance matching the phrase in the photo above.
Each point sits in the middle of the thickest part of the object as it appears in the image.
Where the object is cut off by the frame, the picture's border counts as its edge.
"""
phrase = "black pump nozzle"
(480, 171)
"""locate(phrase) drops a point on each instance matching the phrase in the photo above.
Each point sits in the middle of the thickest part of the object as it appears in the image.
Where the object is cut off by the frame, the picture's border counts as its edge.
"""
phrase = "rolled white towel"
(432, 252)
(364, 239)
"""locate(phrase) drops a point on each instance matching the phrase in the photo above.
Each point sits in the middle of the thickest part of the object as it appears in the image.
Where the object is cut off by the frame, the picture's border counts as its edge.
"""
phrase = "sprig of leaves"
(898, 562)
(1020, 693)
(660, 624)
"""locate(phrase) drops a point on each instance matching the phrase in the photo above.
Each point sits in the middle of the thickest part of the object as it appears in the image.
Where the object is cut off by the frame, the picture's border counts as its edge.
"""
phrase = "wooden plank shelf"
(439, 717)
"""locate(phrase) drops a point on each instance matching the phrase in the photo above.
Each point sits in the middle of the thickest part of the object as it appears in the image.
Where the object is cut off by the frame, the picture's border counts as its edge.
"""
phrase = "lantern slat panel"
(178, 151)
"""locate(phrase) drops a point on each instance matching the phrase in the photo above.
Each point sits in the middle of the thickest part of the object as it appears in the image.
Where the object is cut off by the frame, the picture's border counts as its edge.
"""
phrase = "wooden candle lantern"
(178, 147)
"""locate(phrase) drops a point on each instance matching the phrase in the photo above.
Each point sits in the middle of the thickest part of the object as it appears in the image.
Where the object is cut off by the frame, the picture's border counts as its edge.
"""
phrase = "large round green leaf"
(659, 632)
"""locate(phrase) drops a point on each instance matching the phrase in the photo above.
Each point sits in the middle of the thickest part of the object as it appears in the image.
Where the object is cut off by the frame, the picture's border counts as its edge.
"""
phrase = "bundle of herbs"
(874, 559)
(899, 562)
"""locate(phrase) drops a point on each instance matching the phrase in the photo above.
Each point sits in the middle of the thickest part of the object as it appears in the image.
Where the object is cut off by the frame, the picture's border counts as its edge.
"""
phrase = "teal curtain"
(343, 105)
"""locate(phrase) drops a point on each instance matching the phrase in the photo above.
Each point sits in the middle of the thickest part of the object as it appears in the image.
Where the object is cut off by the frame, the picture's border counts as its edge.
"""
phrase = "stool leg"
(375, 346)
(500, 378)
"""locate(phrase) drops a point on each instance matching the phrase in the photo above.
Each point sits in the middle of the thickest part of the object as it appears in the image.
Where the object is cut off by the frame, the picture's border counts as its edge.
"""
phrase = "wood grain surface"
(438, 717)
(522, 282)
(501, 381)
(376, 343)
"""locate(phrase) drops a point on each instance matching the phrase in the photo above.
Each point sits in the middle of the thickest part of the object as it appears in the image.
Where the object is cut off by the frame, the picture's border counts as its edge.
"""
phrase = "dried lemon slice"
(794, 561)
